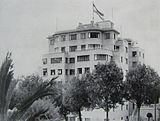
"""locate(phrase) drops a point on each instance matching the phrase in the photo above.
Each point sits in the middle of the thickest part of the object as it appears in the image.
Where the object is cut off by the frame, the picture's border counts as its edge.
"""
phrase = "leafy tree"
(58, 101)
(76, 97)
(140, 84)
(109, 82)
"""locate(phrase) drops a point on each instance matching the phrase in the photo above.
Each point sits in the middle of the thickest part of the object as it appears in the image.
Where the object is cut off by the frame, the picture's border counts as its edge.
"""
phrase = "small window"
(121, 118)
(83, 35)
(44, 61)
(72, 48)
(66, 72)
(121, 107)
(94, 35)
(56, 60)
(134, 64)
(45, 73)
(107, 36)
(114, 36)
(73, 36)
(94, 46)
(72, 72)
(53, 72)
(56, 49)
(82, 58)
(117, 47)
(86, 70)
(134, 53)
(79, 70)
(63, 37)
(83, 47)
(59, 71)
(126, 48)
(139, 54)
(126, 60)
(71, 60)
(121, 59)
(100, 57)
(62, 49)
(87, 119)
(126, 107)
(52, 42)
(66, 60)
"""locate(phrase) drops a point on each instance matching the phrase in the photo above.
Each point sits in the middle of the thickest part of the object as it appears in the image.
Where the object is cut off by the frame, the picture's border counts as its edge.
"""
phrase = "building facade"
(74, 52)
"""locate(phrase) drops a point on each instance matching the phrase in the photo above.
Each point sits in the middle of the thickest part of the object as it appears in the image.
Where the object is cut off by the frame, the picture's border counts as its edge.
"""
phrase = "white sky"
(25, 25)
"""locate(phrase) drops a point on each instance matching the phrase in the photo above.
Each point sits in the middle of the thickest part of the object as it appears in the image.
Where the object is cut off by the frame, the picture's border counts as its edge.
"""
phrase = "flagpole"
(92, 11)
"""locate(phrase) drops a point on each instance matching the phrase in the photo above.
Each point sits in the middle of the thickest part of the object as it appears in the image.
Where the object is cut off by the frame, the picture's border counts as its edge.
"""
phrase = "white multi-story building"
(74, 52)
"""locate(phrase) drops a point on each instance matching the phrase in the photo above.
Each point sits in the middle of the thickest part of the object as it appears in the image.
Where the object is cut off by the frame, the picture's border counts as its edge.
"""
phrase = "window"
(99, 57)
(139, 54)
(56, 60)
(93, 46)
(87, 69)
(44, 61)
(87, 119)
(72, 119)
(126, 60)
(52, 42)
(93, 35)
(126, 49)
(63, 37)
(66, 72)
(56, 49)
(72, 48)
(134, 53)
(83, 47)
(71, 60)
(79, 70)
(121, 59)
(114, 36)
(72, 72)
(121, 107)
(45, 73)
(59, 71)
(83, 35)
(53, 72)
(117, 47)
(121, 118)
(126, 107)
(107, 35)
(83, 58)
(66, 60)
(73, 36)
(134, 64)
(62, 49)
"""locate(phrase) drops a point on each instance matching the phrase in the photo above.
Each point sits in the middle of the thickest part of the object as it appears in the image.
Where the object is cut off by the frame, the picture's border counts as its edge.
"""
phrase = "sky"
(26, 24)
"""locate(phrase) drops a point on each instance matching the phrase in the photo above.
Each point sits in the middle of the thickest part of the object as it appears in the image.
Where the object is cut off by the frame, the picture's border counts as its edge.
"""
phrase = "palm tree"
(7, 85)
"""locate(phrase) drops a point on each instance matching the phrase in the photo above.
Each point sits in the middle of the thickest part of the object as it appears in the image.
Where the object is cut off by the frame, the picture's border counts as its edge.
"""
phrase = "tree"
(58, 101)
(109, 80)
(7, 85)
(76, 97)
(139, 85)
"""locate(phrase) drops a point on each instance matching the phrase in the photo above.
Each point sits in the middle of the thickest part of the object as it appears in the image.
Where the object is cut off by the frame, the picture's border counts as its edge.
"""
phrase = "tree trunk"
(138, 113)
(65, 117)
(107, 113)
(107, 116)
(80, 115)
(155, 106)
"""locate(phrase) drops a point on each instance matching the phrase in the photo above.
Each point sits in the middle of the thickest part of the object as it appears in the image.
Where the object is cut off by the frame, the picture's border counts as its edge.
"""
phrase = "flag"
(98, 12)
